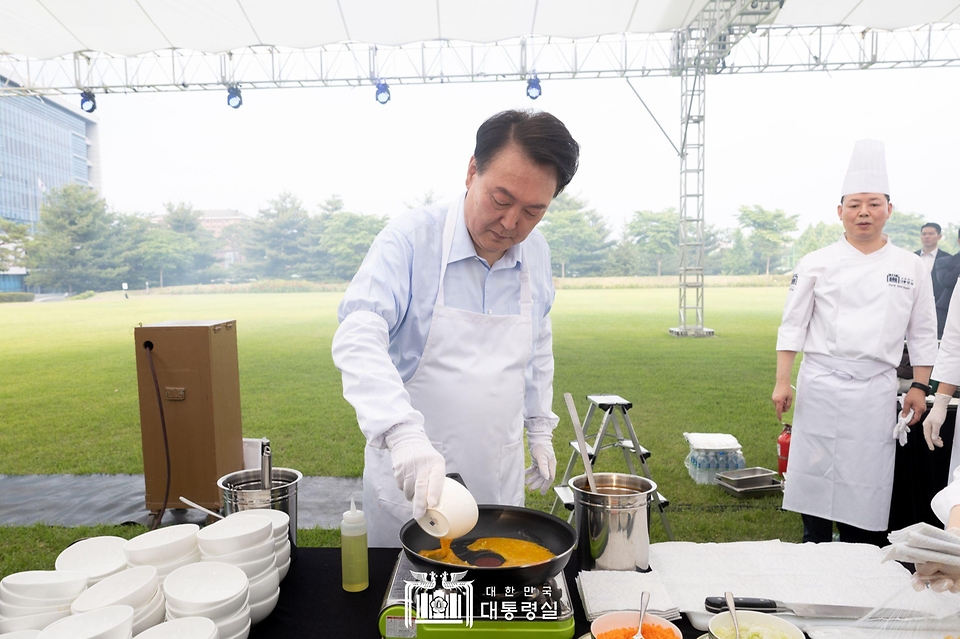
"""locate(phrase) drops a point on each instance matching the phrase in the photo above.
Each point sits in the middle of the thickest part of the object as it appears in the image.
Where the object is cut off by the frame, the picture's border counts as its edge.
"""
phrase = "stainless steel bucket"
(241, 491)
(612, 532)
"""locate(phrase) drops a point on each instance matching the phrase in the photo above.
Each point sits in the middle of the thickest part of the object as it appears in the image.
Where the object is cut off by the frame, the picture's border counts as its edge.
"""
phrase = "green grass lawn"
(68, 392)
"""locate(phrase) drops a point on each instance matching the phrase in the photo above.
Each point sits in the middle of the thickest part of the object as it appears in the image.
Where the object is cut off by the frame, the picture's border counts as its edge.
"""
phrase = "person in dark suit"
(945, 274)
(930, 255)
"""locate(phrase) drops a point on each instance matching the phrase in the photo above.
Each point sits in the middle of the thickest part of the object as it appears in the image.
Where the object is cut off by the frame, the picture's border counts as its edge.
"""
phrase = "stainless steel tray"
(747, 477)
(772, 486)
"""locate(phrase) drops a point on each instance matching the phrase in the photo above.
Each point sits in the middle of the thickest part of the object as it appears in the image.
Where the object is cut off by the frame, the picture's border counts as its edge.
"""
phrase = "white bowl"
(263, 586)
(264, 549)
(629, 619)
(9, 610)
(284, 569)
(258, 567)
(283, 554)
(235, 624)
(243, 634)
(186, 628)
(165, 569)
(112, 622)
(280, 519)
(150, 616)
(260, 611)
(234, 533)
(32, 622)
(21, 634)
(33, 602)
(161, 546)
(46, 584)
(218, 613)
(99, 557)
(156, 602)
(134, 587)
(722, 622)
(204, 585)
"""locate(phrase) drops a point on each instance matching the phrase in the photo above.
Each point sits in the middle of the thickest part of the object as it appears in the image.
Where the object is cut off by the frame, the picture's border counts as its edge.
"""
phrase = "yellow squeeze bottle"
(353, 549)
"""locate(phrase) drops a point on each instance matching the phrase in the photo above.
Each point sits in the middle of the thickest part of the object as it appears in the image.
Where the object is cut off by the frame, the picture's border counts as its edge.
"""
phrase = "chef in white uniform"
(946, 503)
(849, 307)
(445, 342)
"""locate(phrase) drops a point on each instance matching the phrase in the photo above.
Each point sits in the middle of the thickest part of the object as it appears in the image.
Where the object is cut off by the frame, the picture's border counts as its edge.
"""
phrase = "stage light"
(234, 99)
(533, 88)
(383, 92)
(88, 102)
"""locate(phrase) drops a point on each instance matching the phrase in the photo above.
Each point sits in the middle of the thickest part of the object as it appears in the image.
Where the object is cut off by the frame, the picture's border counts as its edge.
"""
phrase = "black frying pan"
(552, 533)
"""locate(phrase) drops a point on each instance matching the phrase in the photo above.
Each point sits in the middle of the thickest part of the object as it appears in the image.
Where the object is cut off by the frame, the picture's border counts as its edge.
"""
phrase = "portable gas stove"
(436, 606)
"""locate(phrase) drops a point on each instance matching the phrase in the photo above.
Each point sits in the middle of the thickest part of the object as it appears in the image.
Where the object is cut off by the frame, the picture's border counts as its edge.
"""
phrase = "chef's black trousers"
(819, 530)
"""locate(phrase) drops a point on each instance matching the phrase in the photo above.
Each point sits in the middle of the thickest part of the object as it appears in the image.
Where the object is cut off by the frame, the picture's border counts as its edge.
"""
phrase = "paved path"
(81, 500)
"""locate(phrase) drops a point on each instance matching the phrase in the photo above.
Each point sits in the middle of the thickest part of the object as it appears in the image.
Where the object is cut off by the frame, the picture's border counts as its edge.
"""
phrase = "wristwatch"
(924, 387)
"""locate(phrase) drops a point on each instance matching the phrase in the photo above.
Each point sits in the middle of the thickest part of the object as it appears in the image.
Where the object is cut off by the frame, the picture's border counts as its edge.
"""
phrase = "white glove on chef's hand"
(543, 463)
(902, 429)
(417, 466)
(934, 420)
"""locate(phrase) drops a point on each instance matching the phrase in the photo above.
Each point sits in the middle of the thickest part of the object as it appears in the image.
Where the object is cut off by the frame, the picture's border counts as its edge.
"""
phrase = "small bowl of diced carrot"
(623, 625)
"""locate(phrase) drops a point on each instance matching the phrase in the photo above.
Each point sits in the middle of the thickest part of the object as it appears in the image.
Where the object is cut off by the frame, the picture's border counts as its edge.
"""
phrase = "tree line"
(81, 245)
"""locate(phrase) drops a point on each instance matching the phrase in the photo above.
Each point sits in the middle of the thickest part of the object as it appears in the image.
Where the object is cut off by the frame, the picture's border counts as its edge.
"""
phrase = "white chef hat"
(867, 172)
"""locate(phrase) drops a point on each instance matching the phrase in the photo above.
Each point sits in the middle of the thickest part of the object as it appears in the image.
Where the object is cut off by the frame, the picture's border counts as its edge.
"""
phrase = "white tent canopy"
(45, 29)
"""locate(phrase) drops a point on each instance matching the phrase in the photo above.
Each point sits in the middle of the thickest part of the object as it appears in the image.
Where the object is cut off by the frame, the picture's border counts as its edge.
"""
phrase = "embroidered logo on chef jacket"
(449, 602)
(793, 281)
(899, 281)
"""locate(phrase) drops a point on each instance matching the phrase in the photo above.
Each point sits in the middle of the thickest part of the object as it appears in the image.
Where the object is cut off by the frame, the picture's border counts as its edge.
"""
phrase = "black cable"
(163, 427)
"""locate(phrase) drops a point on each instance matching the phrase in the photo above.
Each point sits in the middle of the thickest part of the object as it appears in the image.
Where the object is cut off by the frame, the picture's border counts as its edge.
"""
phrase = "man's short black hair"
(541, 136)
(932, 225)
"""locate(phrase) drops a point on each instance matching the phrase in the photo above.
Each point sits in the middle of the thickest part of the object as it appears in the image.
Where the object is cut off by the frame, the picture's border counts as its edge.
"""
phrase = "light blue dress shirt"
(399, 280)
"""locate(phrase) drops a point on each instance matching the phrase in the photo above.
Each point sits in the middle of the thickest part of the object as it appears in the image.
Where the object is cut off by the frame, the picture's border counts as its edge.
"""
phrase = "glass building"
(44, 143)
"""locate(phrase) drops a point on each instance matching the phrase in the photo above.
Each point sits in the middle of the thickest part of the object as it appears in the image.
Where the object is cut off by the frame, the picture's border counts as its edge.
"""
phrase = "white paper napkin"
(603, 591)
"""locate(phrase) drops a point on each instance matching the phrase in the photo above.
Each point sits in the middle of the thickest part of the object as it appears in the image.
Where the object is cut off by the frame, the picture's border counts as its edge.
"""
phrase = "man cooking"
(848, 309)
(445, 342)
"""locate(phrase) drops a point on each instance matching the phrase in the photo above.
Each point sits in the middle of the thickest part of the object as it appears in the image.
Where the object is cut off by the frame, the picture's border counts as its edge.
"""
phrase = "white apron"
(469, 386)
(842, 451)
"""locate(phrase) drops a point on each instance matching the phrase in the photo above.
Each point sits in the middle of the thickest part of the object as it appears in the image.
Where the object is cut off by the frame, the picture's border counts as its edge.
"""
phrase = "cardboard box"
(199, 380)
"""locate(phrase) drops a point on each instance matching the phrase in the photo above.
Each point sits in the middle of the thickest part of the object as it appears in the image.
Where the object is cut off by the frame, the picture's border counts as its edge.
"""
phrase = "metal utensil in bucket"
(242, 491)
(612, 532)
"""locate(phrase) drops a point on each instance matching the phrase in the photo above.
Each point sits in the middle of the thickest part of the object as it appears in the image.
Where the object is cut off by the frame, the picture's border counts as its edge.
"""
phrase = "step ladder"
(614, 409)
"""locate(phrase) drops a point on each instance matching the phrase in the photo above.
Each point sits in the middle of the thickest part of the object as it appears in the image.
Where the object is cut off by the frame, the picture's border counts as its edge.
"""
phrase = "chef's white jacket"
(947, 370)
(852, 306)
(386, 313)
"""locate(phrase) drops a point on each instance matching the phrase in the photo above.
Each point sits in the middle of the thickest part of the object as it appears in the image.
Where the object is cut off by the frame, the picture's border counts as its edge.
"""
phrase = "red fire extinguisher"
(783, 448)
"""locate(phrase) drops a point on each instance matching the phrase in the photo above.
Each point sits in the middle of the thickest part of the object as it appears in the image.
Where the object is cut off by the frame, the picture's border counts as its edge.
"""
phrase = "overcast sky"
(776, 140)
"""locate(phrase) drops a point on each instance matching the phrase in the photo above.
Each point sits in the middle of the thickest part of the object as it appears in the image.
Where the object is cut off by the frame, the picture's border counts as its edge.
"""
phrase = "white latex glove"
(417, 466)
(902, 429)
(934, 420)
(543, 463)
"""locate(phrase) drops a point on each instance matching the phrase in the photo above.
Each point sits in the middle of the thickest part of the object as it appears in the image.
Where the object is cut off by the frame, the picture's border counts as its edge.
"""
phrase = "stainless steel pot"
(242, 491)
(612, 532)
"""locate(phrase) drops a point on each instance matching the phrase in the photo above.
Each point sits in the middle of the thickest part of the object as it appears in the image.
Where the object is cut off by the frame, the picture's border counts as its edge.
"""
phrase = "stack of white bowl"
(111, 622)
(219, 592)
(99, 557)
(35, 599)
(137, 587)
(248, 544)
(281, 535)
(186, 628)
(164, 548)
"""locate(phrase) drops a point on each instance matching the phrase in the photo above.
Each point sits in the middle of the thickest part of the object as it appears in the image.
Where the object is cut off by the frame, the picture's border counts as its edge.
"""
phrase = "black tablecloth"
(313, 603)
